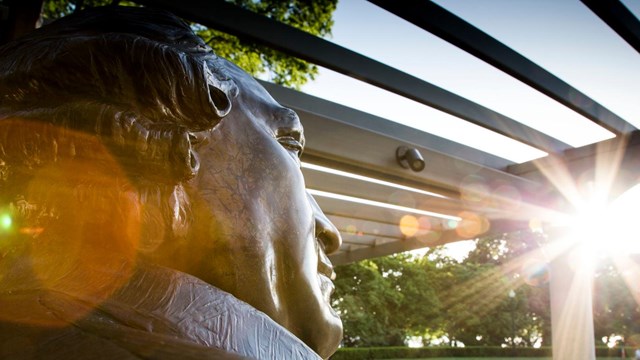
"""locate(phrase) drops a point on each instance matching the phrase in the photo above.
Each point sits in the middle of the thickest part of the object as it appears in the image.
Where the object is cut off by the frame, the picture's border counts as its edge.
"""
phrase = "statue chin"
(157, 206)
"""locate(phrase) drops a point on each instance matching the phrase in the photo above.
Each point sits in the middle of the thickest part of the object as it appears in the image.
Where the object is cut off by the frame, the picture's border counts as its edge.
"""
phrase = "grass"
(484, 358)
(502, 358)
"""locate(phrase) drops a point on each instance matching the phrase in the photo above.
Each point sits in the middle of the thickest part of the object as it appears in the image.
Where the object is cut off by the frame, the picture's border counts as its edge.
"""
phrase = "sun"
(608, 228)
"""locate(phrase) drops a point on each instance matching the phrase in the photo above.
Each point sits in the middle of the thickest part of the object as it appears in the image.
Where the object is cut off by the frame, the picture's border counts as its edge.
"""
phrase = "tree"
(511, 263)
(365, 300)
(615, 311)
(383, 301)
(314, 17)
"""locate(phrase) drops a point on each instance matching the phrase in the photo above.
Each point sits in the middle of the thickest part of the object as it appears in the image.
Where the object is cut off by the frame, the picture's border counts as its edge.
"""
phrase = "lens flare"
(451, 224)
(409, 225)
(31, 231)
(535, 272)
(76, 224)
(425, 224)
(508, 197)
(610, 228)
(5, 222)
(430, 237)
(535, 225)
(474, 190)
(471, 225)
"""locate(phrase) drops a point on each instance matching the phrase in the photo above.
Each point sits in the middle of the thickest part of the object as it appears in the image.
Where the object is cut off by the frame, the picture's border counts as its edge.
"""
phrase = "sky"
(562, 36)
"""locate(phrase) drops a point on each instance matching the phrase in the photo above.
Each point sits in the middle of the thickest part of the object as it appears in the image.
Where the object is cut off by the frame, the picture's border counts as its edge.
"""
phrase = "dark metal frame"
(619, 18)
(245, 24)
(351, 140)
(467, 37)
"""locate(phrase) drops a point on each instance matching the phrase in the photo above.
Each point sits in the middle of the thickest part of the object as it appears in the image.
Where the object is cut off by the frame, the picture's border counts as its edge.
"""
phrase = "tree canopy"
(314, 17)
(377, 300)
(497, 296)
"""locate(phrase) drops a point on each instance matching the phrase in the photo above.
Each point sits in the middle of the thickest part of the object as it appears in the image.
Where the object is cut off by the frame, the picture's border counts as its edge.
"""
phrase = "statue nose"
(326, 233)
(288, 124)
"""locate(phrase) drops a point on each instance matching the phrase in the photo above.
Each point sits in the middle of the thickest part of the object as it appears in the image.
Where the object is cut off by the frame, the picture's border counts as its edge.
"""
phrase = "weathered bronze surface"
(152, 201)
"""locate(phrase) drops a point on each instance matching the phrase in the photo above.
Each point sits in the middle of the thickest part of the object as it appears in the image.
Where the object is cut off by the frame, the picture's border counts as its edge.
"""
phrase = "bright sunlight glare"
(611, 229)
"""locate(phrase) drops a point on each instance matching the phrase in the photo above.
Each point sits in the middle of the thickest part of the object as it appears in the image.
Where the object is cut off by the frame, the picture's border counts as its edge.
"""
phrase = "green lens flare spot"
(5, 221)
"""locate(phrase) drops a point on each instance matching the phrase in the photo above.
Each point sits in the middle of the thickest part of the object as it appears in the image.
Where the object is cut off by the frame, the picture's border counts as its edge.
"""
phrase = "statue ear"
(220, 100)
(221, 91)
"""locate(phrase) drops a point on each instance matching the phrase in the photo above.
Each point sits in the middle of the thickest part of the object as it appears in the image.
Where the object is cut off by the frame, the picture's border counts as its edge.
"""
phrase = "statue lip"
(325, 267)
(290, 143)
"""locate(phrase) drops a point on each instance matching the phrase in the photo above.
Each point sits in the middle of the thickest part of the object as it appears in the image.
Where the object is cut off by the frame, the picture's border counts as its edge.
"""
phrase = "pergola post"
(571, 306)
(18, 17)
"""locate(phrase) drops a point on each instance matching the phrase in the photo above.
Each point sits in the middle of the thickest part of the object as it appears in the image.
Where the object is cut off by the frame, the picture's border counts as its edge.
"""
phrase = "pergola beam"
(406, 134)
(382, 250)
(449, 27)
(619, 18)
(354, 141)
(614, 162)
(435, 238)
(245, 24)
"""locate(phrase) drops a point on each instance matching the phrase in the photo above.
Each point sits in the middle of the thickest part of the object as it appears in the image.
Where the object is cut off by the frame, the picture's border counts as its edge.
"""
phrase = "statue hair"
(136, 79)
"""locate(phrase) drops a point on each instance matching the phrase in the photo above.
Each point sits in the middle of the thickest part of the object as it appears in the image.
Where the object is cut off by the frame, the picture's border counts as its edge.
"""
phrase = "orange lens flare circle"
(471, 225)
(78, 219)
(409, 225)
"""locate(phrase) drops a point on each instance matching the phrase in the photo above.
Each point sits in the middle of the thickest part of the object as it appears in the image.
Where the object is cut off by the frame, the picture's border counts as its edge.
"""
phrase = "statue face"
(256, 232)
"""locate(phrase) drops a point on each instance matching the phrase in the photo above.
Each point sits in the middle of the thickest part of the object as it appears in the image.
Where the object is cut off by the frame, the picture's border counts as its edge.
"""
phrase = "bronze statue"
(153, 201)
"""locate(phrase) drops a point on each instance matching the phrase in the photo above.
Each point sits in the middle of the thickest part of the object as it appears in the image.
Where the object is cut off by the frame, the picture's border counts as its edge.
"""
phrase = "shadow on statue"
(152, 201)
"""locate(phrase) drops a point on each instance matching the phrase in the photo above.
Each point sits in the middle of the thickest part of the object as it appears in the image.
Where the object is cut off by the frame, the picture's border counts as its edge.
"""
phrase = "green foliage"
(438, 298)
(493, 269)
(383, 300)
(54, 9)
(314, 17)
(499, 250)
(615, 310)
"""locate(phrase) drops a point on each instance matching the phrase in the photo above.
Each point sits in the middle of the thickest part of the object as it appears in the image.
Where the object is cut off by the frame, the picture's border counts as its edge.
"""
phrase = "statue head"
(123, 135)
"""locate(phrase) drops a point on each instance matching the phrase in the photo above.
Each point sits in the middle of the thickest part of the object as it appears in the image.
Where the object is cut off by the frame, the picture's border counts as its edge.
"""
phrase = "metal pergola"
(346, 139)
(359, 143)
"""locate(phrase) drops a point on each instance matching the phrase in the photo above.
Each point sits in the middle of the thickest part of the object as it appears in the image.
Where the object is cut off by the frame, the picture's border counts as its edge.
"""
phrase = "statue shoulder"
(42, 325)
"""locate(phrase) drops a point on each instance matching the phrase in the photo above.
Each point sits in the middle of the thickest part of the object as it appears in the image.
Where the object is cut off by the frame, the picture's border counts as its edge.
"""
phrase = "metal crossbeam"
(617, 160)
(619, 18)
(245, 24)
(406, 134)
(440, 22)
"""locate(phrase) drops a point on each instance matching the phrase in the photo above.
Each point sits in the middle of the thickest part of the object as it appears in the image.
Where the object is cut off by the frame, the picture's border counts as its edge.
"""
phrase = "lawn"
(502, 358)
